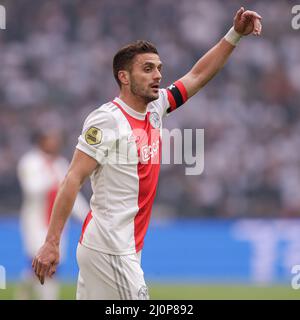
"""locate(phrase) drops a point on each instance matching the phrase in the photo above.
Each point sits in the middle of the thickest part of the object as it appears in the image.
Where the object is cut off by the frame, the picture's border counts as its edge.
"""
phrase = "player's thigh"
(95, 280)
(81, 290)
(104, 276)
(130, 276)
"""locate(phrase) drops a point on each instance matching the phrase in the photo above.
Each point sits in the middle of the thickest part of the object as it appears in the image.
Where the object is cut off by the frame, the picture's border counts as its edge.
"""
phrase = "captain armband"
(177, 95)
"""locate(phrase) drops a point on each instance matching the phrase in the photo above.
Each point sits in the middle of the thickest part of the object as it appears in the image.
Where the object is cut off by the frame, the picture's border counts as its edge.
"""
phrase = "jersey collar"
(130, 111)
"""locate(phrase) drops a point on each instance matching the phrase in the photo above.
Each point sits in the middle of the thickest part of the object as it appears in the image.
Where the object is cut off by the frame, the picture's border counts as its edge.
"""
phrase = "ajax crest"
(155, 120)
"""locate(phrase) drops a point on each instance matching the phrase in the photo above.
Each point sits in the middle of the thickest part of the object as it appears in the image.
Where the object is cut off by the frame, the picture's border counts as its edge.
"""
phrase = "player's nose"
(157, 75)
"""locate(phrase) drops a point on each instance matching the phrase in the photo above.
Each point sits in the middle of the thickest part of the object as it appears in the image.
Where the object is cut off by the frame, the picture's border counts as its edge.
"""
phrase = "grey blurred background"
(56, 67)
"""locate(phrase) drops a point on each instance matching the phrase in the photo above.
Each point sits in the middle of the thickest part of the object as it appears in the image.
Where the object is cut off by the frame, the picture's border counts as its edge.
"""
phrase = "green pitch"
(191, 292)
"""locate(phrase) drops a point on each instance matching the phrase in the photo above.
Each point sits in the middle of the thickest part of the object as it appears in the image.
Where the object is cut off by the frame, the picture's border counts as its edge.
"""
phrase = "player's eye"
(148, 69)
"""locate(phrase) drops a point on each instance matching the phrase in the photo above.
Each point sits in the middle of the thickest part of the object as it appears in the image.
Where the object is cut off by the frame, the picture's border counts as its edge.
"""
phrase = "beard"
(142, 92)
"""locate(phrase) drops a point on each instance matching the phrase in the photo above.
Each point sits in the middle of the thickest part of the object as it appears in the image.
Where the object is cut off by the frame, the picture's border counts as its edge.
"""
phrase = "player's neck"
(136, 103)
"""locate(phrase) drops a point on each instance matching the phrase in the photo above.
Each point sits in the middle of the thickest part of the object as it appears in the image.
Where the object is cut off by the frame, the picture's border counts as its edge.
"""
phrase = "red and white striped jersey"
(127, 146)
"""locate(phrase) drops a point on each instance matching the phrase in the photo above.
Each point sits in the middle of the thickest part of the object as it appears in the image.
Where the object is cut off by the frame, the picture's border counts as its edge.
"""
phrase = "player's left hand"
(246, 22)
(46, 261)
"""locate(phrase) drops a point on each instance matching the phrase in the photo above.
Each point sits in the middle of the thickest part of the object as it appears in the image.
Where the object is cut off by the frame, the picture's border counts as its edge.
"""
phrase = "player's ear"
(124, 77)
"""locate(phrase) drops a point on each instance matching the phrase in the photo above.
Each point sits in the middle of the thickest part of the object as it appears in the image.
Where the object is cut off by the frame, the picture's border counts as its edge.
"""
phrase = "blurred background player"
(40, 172)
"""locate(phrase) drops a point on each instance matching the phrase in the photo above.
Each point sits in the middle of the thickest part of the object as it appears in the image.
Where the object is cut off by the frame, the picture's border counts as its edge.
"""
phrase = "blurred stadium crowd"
(56, 66)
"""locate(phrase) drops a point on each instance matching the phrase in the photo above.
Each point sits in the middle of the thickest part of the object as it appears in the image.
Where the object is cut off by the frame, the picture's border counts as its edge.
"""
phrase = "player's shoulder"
(105, 114)
(105, 110)
(108, 107)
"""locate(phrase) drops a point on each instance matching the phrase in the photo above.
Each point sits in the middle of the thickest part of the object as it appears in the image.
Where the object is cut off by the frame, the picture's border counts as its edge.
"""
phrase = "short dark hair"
(124, 57)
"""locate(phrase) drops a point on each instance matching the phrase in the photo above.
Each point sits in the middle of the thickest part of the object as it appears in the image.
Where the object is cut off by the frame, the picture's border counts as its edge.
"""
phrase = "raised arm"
(47, 258)
(245, 22)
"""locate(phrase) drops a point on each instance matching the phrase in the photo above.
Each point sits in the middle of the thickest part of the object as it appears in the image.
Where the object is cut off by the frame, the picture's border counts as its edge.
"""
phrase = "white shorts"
(109, 277)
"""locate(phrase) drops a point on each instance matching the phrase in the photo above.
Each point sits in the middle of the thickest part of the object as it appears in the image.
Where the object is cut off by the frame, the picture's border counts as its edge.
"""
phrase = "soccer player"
(119, 149)
(40, 171)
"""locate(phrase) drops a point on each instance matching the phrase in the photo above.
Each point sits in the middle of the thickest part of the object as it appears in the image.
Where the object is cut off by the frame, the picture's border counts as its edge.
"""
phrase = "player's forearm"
(207, 67)
(63, 206)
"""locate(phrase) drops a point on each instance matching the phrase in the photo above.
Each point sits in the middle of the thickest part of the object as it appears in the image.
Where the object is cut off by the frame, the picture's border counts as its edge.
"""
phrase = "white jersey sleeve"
(99, 135)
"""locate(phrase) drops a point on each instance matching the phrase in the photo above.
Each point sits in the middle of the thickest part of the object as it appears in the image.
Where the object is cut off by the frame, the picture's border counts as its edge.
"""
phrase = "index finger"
(41, 271)
(42, 275)
(42, 279)
(250, 13)
(240, 12)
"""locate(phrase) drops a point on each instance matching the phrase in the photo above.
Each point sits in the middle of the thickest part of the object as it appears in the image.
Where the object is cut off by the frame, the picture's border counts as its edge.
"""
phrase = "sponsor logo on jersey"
(149, 151)
(93, 136)
(155, 120)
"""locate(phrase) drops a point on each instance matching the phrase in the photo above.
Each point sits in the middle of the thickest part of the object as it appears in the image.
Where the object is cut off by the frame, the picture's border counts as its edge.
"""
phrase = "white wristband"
(232, 36)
